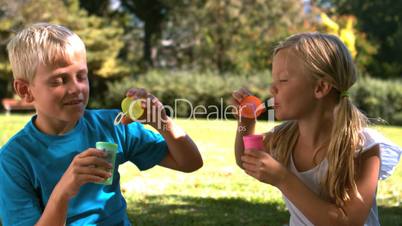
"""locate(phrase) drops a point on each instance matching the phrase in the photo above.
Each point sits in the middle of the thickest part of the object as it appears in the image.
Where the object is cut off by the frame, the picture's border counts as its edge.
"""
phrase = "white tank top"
(389, 154)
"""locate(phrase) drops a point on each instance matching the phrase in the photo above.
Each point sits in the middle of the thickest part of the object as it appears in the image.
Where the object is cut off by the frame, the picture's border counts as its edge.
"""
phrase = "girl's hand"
(154, 112)
(88, 166)
(238, 96)
(263, 167)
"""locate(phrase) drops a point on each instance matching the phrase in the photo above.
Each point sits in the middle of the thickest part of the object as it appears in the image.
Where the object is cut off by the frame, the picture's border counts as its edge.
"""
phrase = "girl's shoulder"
(390, 153)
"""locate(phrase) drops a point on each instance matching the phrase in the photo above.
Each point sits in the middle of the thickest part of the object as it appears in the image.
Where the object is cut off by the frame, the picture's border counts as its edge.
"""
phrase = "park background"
(202, 50)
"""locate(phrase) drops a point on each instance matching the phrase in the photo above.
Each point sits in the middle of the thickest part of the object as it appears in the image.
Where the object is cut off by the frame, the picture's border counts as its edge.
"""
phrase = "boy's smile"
(60, 93)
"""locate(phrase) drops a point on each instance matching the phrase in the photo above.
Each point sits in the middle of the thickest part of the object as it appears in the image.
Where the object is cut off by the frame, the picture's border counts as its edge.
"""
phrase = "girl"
(322, 158)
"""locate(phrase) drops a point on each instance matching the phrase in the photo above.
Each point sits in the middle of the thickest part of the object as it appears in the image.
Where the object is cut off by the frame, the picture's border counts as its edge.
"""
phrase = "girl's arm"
(263, 167)
(244, 126)
(354, 212)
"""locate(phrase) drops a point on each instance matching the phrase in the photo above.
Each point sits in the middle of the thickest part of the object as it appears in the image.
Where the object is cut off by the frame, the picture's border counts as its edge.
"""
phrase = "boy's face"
(60, 92)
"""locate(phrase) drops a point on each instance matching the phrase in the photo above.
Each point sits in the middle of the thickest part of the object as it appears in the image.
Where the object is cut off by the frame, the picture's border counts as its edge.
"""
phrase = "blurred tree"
(381, 20)
(228, 35)
(96, 7)
(347, 34)
(151, 13)
(103, 38)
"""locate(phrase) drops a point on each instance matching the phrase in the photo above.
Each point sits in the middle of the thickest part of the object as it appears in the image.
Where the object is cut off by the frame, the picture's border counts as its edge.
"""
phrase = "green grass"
(219, 193)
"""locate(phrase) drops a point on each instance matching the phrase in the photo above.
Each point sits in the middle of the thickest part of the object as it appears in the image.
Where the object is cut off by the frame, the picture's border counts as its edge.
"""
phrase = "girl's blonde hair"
(41, 43)
(326, 57)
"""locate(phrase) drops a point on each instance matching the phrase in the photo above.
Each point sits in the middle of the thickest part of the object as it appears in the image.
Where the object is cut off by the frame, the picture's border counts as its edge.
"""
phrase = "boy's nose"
(73, 87)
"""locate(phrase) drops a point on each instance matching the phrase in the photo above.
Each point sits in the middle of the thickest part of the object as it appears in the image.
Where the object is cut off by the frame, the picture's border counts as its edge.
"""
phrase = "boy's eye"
(56, 81)
(283, 80)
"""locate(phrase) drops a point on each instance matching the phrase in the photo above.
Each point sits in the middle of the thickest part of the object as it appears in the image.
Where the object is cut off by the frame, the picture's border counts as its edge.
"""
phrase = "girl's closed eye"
(82, 77)
(282, 79)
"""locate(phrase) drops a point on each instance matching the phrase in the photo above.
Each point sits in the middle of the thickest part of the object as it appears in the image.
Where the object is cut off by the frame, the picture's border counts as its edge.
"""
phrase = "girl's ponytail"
(345, 140)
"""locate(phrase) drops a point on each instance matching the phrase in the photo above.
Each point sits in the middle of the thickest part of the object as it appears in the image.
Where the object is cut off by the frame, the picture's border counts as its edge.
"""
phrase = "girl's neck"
(315, 130)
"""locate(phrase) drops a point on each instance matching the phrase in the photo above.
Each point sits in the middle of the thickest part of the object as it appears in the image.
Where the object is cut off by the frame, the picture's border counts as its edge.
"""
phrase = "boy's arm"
(55, 212)
(183, 154)
(80, 172)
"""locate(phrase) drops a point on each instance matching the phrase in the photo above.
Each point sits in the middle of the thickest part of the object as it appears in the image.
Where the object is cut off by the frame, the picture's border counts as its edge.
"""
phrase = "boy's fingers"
(142, 93)
(95, 161)
(85, 178)
(126, 120)
(134, 92)
(131, 92)
(99, 172)
(92, 152)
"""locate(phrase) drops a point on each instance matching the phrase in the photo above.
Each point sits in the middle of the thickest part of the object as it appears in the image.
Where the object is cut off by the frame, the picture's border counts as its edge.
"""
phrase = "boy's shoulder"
(17, 142)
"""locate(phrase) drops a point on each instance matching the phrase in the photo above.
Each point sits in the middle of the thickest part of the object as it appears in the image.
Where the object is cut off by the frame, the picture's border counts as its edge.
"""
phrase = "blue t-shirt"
(32, 163)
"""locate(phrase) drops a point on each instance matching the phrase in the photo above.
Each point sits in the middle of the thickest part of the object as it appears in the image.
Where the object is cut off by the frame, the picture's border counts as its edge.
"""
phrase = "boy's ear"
(21, 87)
(322, 89)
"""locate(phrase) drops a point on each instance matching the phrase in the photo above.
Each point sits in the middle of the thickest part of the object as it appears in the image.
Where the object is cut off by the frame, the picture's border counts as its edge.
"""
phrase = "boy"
(47, 173)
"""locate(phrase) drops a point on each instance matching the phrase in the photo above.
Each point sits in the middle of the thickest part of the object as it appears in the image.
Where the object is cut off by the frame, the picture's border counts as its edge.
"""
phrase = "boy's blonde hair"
(41, 43)
(326, 57)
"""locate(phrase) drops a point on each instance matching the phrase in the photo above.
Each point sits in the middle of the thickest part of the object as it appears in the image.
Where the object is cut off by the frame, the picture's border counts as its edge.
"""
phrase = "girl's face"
(292, 88)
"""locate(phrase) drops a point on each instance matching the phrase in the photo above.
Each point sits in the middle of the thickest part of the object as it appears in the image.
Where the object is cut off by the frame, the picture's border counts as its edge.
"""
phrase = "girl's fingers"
(244, 92)
(240, 94)
(258, 154)
(250, 167)
(236, 96)
(248, 159)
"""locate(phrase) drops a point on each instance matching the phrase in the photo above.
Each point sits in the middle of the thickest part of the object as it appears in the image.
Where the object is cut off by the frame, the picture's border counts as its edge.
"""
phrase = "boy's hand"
(88, 166)
(154, 112)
